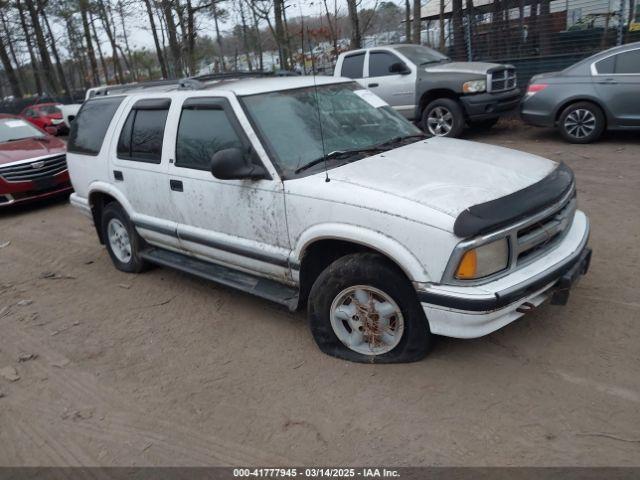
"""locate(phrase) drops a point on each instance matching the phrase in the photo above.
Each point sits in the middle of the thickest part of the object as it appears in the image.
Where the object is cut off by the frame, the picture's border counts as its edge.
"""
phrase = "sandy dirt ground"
(166, 369)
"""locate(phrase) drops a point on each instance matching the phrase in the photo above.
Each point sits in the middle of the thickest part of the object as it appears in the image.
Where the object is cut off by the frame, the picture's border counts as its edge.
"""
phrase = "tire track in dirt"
(123, 420)
(113, 432)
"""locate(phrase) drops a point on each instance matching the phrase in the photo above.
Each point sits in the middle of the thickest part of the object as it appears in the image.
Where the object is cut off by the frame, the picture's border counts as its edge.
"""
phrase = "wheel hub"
(580, 123)
(119, 240)
(440, 121)
(367, 320)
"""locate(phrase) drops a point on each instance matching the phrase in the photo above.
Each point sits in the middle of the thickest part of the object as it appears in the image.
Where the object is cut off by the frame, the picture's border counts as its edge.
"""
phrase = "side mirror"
(233, 164)
(399, 68)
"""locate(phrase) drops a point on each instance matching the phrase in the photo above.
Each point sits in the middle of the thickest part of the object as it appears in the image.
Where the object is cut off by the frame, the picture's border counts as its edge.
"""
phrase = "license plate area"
(44, 183)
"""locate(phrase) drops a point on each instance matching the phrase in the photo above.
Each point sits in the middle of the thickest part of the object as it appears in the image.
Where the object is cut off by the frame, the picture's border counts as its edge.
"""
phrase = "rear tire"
(122, 241)
(362, 308)
(582, 122)
(443, 117)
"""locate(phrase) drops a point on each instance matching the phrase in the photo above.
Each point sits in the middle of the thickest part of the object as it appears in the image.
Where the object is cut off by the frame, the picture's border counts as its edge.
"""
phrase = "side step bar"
(261, 287)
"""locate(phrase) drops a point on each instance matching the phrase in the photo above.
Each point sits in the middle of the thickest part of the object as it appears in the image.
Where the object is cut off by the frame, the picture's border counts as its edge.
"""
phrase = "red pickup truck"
(33, 164)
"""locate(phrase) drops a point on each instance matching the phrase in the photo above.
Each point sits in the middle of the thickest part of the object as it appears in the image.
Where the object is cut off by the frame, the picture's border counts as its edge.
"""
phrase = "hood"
(477, 68)
(447, 175)
(30, 148)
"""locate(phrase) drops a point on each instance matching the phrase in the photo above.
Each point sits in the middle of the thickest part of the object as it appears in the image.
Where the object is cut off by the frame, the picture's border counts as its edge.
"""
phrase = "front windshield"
(17, 129)
(288, 123)
(421, 55)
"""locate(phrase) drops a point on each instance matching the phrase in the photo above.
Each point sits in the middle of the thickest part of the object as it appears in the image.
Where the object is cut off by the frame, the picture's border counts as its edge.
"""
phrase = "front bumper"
(469, 312)
(15, 193)
(484, 106)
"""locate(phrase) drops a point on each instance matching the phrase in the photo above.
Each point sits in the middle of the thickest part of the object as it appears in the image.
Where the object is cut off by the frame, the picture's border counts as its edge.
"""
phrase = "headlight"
(484, 260)
(474, 86)
(56, 121)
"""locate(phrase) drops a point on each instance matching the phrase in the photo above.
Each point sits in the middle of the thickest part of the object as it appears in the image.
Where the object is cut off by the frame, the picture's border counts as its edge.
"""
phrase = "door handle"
(373, 85)
(608, 81)
(117, 174)
(176, 185)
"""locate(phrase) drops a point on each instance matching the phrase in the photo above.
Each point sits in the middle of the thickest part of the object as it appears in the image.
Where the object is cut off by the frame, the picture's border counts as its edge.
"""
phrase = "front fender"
(373, 239)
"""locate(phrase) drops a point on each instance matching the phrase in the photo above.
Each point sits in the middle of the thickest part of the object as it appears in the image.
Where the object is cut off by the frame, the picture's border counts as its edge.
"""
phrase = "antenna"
(315, 89)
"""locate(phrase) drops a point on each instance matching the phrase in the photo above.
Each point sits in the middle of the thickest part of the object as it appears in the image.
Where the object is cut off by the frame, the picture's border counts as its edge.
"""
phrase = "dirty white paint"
(402, 203)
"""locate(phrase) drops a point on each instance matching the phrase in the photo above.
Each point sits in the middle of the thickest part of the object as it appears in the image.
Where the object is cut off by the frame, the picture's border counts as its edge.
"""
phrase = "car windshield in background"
(349, 123)
(50, 109)
(12, 129)
(421, 55)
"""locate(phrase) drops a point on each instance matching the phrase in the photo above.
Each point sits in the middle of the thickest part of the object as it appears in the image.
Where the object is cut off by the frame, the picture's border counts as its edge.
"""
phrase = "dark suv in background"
(598, 93)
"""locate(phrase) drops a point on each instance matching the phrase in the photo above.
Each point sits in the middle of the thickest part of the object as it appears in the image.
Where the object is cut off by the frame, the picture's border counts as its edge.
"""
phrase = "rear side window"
(628, 62)
(142, 134)
(352, 66)
(90, 126)
(201, 133)
(622, 63)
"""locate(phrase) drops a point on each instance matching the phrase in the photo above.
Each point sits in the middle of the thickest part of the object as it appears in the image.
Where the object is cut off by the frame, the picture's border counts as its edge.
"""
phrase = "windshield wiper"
(344, 154)
(396, 140)
(339, 155)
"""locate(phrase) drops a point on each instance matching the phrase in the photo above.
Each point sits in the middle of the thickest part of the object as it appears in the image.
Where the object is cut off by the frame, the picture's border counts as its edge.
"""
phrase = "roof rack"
(208, 77)
(111, 89)
(189, 83)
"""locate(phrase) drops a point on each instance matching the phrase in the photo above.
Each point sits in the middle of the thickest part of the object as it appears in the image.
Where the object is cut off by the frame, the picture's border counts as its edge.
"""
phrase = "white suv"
(319, 193)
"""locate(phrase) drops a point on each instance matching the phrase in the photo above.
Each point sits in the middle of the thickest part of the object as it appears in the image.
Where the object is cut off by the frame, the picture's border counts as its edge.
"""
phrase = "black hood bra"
(503, 211)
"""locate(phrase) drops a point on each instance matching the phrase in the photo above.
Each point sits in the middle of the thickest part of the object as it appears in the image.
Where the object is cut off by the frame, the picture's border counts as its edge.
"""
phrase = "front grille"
(35, 170)
(535, 239)
(503, 80)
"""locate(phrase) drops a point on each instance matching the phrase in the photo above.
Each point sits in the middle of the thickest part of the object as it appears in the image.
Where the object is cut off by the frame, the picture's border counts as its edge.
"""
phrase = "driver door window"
(380, 64)
(201, 133)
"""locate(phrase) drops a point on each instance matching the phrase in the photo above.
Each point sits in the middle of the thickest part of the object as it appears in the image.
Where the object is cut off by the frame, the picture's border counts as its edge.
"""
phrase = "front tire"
(443, 117)
(122, 241)
(582, 122)
(362, 308)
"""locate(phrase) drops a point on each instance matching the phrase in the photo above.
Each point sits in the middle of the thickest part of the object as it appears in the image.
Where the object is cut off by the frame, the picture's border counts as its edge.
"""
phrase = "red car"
(46, 116)
(33, 164)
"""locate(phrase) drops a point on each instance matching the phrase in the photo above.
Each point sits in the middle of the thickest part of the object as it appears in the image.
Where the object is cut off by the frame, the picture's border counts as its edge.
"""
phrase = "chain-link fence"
(534, 35)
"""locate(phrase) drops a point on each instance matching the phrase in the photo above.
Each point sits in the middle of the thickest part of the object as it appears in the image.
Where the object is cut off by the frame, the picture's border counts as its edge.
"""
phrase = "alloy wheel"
(439, 121)
(119, 240)
(367, 320)
(580, 123)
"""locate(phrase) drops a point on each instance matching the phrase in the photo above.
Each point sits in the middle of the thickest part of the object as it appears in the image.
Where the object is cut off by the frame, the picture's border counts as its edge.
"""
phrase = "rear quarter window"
(606, 66)
(91, 124)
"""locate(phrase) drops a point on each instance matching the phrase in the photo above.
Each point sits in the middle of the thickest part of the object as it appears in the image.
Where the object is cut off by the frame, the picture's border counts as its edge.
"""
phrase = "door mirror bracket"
(399, 68)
